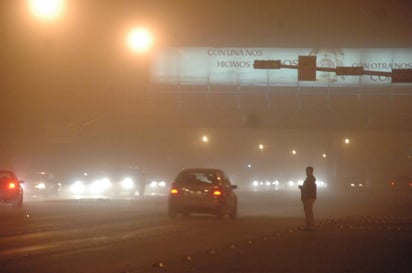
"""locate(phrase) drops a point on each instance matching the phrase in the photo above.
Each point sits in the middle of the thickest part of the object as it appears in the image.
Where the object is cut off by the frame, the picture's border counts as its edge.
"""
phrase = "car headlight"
(99, 186)
(40, 186)
(127, 183)
(77, 187)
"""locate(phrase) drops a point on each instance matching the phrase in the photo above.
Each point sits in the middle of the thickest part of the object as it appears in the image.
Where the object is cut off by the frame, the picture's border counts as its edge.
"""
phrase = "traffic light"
(401, 75)
(307, 68)
(266, 64)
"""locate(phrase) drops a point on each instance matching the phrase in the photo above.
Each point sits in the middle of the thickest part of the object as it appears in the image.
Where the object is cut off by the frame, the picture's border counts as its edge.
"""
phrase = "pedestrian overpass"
(282, 88)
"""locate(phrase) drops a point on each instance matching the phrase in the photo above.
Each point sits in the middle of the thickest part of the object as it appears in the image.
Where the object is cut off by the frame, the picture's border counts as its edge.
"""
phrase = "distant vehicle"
(401, 182)
(357, 185)
(89, 185)
(107, 183)
(157, 187)
(42, 184)
(202, 191)
(353, 183)
(127, 182)
(11, 190)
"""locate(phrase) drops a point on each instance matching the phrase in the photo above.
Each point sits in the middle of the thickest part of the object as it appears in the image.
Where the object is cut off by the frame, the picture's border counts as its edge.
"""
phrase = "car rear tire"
(233, 213)
(172, 213)
(18, 203)
(221, 213)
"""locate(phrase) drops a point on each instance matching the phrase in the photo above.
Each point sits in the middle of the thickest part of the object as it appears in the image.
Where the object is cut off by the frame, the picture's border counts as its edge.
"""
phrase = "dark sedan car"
(202, 191)
(11, 191)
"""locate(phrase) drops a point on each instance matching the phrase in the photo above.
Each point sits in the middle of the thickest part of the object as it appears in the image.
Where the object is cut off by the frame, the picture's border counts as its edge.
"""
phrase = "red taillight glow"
(12, 185)
(174, 191)
(217, 193)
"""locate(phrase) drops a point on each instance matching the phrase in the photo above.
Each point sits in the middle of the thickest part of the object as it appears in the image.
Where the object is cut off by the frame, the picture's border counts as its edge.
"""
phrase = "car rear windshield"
(196, 177)
(5, 176)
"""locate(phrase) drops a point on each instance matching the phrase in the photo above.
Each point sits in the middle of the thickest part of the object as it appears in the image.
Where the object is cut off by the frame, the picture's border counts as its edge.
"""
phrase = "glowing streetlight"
(294, 152)
(261, 147)
(46, 9)
(139, 40)
(324, 155)
(205, 139)
(347, 140)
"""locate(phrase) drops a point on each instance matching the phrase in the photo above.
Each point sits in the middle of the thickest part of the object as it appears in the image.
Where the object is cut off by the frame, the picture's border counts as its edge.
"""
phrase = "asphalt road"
(364, 231)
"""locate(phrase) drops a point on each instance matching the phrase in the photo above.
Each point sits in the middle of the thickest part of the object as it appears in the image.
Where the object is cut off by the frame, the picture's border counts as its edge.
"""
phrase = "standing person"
(308, 197)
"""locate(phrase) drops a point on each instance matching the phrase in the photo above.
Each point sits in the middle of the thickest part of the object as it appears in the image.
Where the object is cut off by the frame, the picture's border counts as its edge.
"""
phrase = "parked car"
(202, 190)
(11, 190)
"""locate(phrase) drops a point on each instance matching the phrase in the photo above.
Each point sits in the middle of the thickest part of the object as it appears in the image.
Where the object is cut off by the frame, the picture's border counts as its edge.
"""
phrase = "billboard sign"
(234, 66)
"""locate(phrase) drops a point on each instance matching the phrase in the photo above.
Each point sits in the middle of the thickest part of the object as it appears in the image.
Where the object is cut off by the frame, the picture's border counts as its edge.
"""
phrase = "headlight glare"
(77, 187)
(40, 186)
(127, 183)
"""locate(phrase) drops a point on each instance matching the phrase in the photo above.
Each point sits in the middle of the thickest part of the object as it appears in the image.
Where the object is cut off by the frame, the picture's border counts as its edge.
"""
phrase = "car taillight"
(174, 191)
(217, 193)
(12, 185)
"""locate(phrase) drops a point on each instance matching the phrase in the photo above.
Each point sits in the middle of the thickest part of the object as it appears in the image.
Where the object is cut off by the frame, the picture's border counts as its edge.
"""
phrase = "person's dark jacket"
(308, 189)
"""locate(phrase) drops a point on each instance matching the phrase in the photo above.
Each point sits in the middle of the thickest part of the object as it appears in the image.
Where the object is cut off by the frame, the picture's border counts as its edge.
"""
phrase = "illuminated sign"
(235, 66)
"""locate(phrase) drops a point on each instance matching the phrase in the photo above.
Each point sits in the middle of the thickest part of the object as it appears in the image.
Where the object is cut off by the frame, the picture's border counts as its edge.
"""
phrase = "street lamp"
(294, 152)
(261, 147)
(139, 40)
(205, 139)
(46, 9)
(347, 140)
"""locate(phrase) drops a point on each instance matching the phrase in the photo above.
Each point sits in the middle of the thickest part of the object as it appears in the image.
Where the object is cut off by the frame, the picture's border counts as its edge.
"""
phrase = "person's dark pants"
(309, 218)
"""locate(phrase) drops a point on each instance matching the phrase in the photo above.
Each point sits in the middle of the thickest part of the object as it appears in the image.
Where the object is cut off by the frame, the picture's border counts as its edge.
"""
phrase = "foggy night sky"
(72, 92)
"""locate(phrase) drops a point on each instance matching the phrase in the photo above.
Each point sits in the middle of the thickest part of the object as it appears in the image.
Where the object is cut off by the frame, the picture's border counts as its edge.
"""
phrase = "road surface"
(360, 231)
